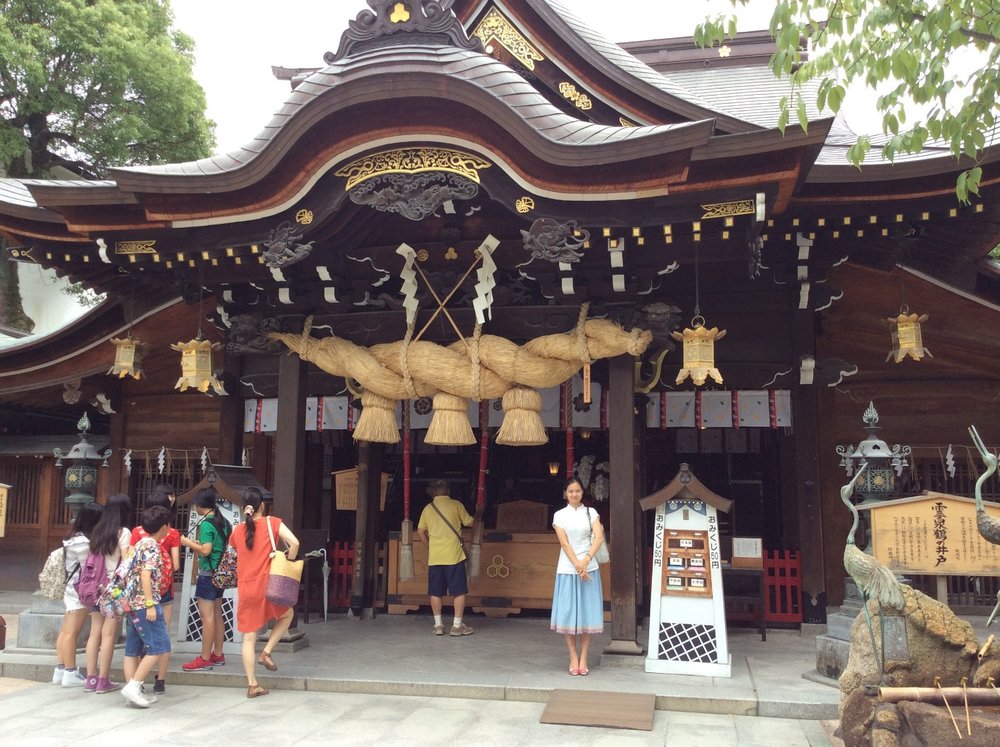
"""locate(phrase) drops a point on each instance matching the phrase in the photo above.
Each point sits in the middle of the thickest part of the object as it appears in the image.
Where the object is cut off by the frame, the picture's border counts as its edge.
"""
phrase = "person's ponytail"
(252, 498)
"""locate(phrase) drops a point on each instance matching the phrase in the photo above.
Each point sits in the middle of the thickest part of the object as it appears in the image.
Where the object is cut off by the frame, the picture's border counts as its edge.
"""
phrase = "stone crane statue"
(873, 579)
(988, 526)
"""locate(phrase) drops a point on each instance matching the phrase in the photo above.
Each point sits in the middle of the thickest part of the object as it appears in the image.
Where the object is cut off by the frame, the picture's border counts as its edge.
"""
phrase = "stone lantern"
(81, 476)
(884, 462)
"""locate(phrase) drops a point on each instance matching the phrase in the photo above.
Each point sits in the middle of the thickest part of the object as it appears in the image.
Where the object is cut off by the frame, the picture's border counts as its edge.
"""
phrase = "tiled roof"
(832, 161)
(13, 192)
(475, 68)
(622, 59)
(749, 93)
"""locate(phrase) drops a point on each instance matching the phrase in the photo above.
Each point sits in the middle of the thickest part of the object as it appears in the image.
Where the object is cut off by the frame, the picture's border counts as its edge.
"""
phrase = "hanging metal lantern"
(128, 358)
(699, 352)
(907, 339)
(196, 366)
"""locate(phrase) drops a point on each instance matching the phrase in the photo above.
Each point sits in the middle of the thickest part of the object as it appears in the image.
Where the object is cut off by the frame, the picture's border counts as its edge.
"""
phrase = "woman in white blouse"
(577, 600)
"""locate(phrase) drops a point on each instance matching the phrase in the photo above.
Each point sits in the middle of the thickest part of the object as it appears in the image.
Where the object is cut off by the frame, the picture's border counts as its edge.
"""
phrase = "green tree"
(88, 84)
(904, 49)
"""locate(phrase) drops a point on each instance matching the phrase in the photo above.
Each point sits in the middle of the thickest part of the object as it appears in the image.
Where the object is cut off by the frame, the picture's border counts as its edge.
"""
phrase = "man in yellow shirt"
(440, 524)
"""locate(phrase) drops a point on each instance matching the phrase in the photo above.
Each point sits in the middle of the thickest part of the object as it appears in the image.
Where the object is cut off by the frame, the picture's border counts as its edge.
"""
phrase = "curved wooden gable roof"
(412, 92)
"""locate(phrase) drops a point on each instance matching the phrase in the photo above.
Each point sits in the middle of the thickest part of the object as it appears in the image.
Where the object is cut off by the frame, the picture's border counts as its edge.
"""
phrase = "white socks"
(457, 623)
(437, 620)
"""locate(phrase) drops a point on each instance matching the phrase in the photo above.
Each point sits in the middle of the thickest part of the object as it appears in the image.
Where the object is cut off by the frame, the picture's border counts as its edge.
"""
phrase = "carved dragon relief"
(248, 334)
(552, 241)
(283, 247)
(413, 196)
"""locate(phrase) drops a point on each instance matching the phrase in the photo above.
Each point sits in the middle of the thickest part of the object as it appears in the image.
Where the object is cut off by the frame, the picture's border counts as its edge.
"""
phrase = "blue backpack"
(92, 579)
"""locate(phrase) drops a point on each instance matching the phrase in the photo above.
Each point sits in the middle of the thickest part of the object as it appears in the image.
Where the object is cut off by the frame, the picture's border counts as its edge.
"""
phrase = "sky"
(237, 45)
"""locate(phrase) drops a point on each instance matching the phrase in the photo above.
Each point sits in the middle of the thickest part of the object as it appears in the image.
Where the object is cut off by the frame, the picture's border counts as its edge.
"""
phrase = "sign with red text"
(933, 534)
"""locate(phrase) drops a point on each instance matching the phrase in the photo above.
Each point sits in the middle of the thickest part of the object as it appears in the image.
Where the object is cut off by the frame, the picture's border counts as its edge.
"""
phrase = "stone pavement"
(492, 685)
(41, 715)
(516, 659)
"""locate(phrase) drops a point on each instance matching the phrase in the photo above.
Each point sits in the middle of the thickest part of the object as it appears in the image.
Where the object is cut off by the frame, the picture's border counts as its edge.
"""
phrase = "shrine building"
(479, 241)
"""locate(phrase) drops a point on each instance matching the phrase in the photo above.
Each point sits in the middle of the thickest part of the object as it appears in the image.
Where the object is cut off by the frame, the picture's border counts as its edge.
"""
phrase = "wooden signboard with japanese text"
(3, 508)
(933, 534)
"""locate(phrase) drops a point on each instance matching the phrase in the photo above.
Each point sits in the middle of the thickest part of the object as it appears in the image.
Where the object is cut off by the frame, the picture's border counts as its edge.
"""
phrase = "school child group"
(114, 573)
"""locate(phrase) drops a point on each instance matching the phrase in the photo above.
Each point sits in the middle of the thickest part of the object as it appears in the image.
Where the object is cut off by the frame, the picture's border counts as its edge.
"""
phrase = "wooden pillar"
(641, 517)
(805, 412)
(117, 479)
(805, 409)
(624, 506)
(370, 457)
(231, 413)
(290, 440)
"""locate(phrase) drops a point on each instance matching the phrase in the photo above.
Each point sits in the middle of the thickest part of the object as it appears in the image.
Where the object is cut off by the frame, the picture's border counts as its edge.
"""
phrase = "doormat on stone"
(590, 708)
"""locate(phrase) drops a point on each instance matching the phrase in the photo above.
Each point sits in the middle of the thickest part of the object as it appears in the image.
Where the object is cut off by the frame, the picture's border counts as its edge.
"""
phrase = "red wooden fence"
(782, 585)
(340, 556)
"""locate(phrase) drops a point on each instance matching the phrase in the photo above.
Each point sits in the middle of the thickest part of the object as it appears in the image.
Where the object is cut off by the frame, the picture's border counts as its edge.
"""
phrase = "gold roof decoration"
(699, 352)
(907, 337)
(412, 161)
(196, 366)
(129, 352)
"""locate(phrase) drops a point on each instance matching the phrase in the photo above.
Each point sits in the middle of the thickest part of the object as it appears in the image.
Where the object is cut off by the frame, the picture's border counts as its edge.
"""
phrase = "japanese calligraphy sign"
(3, 508)
(934, 534)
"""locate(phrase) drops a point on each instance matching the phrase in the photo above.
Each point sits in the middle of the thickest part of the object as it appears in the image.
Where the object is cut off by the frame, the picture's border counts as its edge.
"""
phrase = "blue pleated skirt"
(577, 606)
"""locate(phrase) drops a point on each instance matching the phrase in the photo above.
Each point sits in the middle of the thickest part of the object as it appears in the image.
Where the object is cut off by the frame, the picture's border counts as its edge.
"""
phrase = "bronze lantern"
(128, 358)
(907, 338)
(80, 478)
(699, 352)
(196, 366)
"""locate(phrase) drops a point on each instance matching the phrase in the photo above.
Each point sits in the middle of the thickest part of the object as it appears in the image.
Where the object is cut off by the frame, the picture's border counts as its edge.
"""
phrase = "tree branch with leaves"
(90, 84)
(936, 64)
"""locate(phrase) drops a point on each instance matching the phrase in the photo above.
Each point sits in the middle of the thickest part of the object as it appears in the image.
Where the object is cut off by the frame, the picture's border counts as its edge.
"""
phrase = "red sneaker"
(218, 661)
(196, 665)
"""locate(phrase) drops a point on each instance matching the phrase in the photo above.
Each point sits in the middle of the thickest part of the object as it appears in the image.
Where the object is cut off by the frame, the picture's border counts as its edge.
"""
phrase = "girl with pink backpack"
(110, 539)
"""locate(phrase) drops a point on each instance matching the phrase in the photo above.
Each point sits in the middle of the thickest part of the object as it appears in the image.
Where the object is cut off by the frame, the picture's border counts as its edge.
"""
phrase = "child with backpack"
(75, 549)
(213, 535)
(170, 554)
(108, 545)
(146, 637)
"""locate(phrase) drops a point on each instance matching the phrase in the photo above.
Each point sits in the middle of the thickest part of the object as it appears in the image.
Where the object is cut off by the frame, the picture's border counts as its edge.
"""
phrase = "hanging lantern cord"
(201, 283)
(131, 310)
(697, 293)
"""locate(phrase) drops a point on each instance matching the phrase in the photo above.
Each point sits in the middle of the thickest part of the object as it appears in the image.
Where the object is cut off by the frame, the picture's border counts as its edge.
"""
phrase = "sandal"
(256, 691)
(574, 671)
(267, 661)
(583, 671)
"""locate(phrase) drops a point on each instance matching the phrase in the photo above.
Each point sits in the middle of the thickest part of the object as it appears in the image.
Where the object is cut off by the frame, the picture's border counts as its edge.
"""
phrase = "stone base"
(38, 626)
(807, 630)
(831, 656)
(622, 661)
(624, 648)
(819, 679)
(292, 641)
(833, 649)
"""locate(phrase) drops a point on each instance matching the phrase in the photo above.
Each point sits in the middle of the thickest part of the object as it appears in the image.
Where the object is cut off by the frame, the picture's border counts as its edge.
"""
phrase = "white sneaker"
(132, 692)
(151, 698)
(73, 678)
(57, 676)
